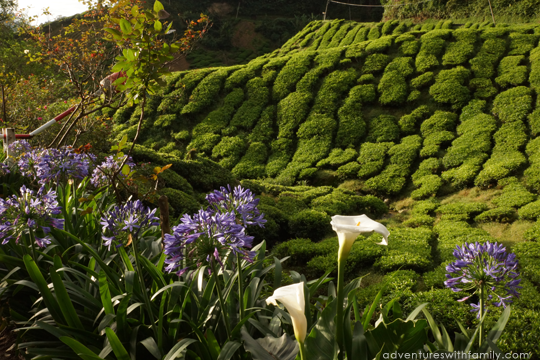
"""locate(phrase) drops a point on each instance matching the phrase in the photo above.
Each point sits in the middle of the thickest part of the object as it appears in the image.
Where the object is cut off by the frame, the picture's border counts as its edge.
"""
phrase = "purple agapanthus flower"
(102, 173)
(240, 201)
(484, 266)
(53, 165)
(29, 211)
(129, 219)
(206, 236)
(4, 169)
(20, 146)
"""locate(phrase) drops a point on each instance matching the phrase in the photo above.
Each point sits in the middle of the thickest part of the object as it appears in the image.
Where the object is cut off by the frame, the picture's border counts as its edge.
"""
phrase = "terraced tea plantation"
(431, 129)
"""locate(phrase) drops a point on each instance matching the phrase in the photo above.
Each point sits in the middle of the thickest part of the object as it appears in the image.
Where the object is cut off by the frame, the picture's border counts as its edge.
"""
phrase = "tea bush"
(383, 129)
(510, 71)
(372, 157)
(503, 214)
(428, 186)
(408, 123)
(532, 174)
(530, 211)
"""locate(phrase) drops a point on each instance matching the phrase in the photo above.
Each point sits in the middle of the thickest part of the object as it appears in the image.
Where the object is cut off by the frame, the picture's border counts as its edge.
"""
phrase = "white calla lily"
(349, 227)
(292, 296)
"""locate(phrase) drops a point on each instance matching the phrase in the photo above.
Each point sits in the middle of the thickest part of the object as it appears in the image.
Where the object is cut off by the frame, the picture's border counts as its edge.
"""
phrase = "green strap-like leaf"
(66, 305)
(48, 298)
(228, 350)
(81, 350)
(105, 293)
(117, 347)
(150, 345)
(177, 351)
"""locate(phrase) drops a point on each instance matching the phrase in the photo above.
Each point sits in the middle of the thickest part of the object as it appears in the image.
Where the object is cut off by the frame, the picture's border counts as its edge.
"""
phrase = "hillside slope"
(368, 103)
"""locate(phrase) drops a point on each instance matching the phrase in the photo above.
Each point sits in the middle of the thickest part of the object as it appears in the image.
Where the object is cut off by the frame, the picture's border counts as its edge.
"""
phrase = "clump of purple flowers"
(29, 212)
(240, 201)
(111, 165)
(127, 220)
(20, 146)
(488, 270)
(212, 234)
(52, 165)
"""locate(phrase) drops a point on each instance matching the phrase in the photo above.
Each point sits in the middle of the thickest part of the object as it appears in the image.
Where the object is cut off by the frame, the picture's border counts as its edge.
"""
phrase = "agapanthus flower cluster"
(20, 146)
(240, 201)
(123, 221)
(206, 236)
(4, 169)
(102, 173)
(29, 211)
(484, 266)
(215, 233)
(53, 165)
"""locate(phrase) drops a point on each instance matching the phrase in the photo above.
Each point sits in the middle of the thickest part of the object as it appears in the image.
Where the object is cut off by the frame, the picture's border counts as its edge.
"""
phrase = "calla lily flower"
(292, 296)
(348, 228)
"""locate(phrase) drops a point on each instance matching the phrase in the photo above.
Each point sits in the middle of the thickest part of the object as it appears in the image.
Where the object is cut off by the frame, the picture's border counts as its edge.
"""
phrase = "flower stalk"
(221, 299)
(240, 287)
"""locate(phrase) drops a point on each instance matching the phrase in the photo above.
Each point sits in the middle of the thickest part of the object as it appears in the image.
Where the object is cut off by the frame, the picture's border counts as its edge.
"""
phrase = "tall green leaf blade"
(176, 353)
(117, 347)
(48, 298)
(228, 350)
(367, 315)
(64, 301)
(81, 350)
(105, 293)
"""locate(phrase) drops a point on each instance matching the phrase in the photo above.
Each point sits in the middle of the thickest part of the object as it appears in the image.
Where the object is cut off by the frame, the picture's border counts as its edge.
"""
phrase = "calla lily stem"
(302, 350)
(342, 259)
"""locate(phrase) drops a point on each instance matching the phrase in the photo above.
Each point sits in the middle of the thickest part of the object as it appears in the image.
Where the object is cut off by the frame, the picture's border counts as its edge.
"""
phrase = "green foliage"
(329, 34)
(422, 80)
(218, 119)
(514, 195)
(374, 33)
(292, 72)
(428, 166)
(349, 170)
(408, 123)
(474, 143)
(431, 47)
(206, 92)
(252, 164)
(332, 88)
(439, 121)
(510, 71)
(372, 156)
(229, 151)
(483, 64)
(484, 88)
(352, 127)
(379, 45)
(341, 202)
(280, 155)
(383, 129)
(409, 249)
(530, 211)
(521, 44)
(503, 214)
(375, 63)
(264, 129)
(350, 35)
(534, 122)
(419, 220)
(460, 208)
(513, 104)
(428, 186)
(409, 47)
(291, 111)
(460, 51)
(393, 88)
(180, 202)
(449, 87)
(310, 224)
(532, 174)
(338, 157)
